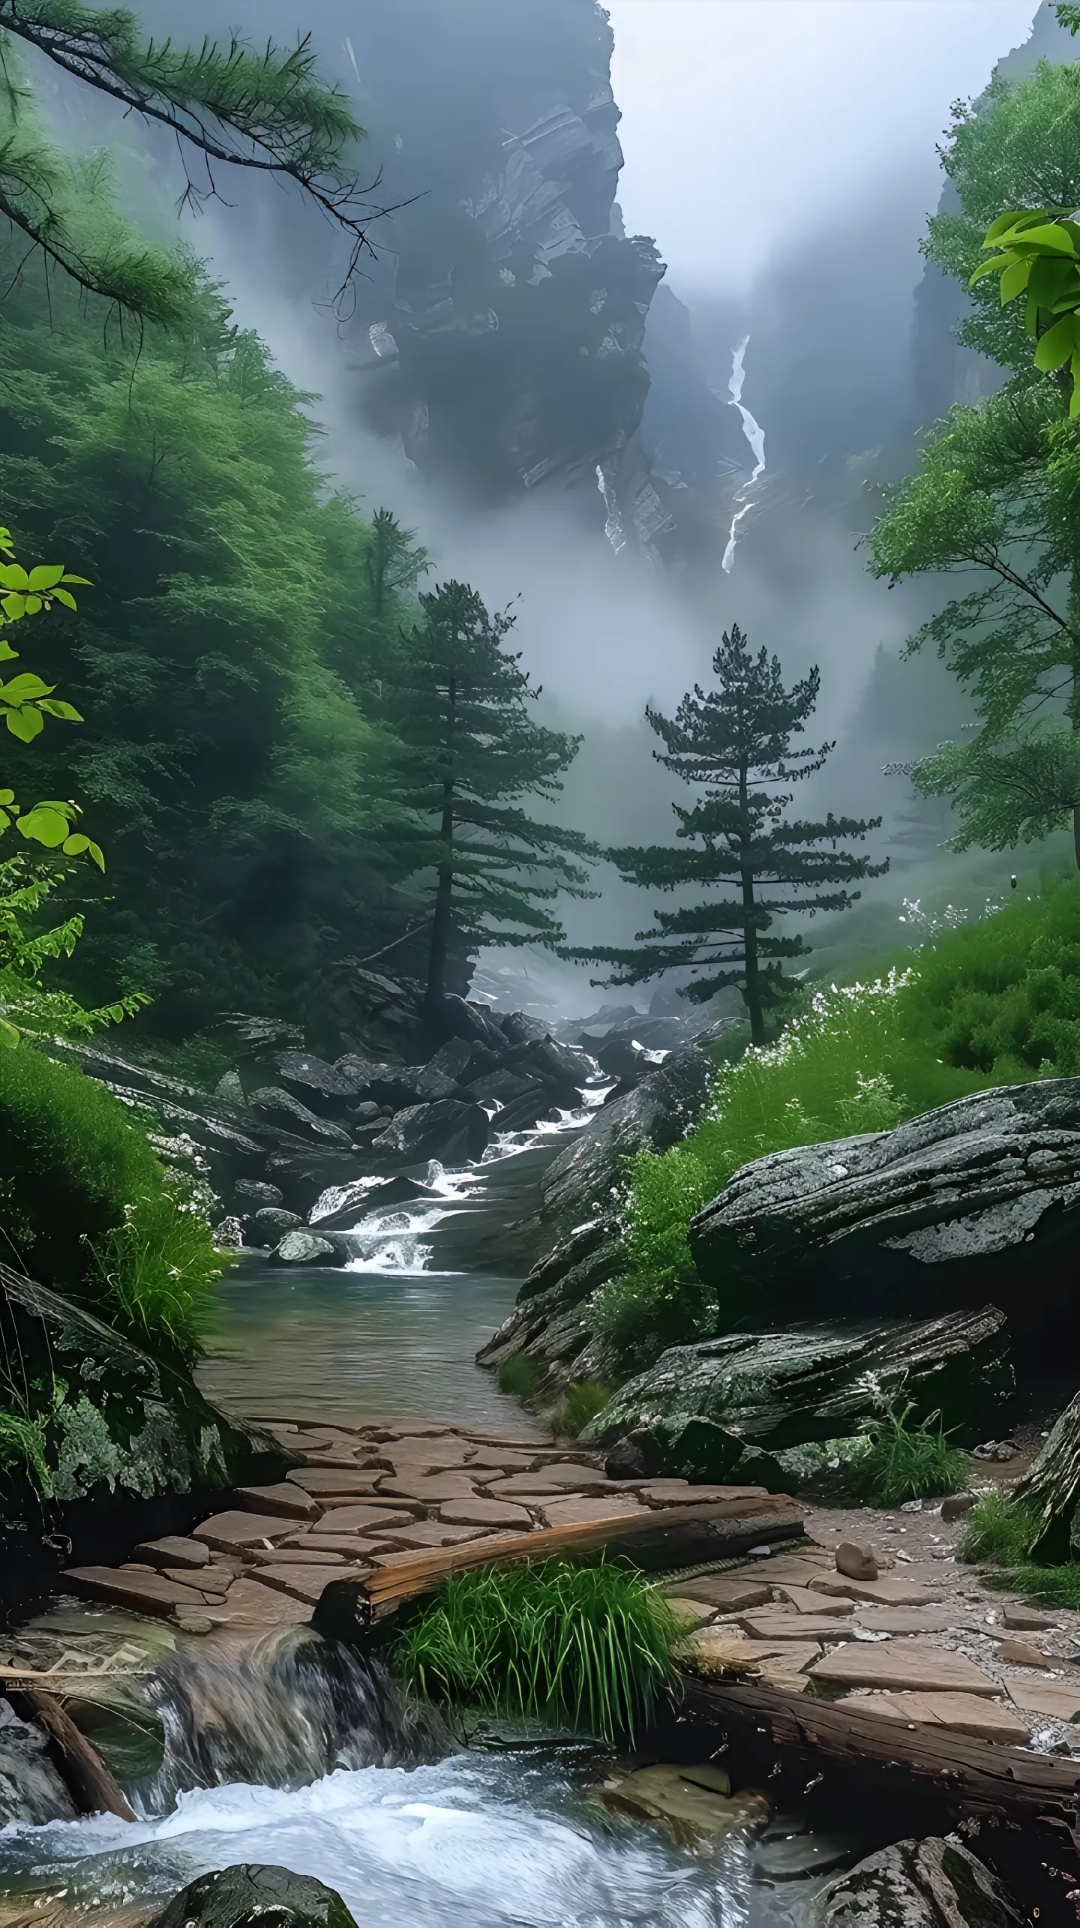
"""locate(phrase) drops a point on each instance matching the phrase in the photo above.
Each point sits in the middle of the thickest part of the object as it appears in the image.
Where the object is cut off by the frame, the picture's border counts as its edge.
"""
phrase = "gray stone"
(277, 1103)
(303, 1247)
(856, 1559)
(271, 1222)
(917, 1884)
(988, 1186)
(698, 1410)
(255, 1897)
(446, 1129)
(956, 1505)
(230, 1091)
(251, 1193)
(315, 1081)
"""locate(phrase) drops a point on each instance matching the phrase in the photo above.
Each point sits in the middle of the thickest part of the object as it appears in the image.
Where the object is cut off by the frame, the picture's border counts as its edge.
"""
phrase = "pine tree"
(735, 741)
(473, 752)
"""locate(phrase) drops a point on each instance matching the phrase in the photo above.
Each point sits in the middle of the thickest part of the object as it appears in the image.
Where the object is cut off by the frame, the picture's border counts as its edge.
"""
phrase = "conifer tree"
(473, 754)
(736, 743)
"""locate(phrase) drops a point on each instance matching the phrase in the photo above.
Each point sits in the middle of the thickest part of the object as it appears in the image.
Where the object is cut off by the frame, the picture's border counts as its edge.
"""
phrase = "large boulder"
(448, 1130)
(917, 1884)
(256, 1896)
(701, 1409)
(976, 1200)
(111, 1419)
(278, 1103)
(577, 1224)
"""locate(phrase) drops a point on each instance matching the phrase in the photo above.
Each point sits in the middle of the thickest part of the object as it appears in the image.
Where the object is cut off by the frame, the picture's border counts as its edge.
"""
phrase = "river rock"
(281, 1104)
(250, 1194)
(255, 1896)
(271, 1222)
(917, 1884)
(327, 1088)
(856, 1559)
(230, 1091)
(302, 1246)
(457, 1017)
(977, 1197)
(502, 1087)
(448, 1130)
(701, 1407)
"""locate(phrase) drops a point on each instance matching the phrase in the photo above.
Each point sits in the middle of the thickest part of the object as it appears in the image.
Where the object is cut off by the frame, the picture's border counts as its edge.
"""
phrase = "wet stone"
(304, 1583)
(235, 1529)
(173, 1550)
(805, 1854)
(139, 1592)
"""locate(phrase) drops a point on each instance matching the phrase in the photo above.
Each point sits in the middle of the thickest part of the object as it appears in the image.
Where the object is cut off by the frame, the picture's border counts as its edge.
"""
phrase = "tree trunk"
(752, 988)
(440, 923)
(85, 1775)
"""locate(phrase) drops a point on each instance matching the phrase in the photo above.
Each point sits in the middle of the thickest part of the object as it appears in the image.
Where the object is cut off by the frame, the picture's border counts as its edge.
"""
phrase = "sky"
(743, 120)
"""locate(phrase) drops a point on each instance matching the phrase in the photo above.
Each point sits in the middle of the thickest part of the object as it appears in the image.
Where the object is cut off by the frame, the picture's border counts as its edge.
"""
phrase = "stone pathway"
(365, 1500)
(925, 1642)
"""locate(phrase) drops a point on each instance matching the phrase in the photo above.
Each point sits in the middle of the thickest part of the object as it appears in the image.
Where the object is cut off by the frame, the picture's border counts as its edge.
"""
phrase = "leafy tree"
(227, 104)
(736, 742)
(994, 501)
(473, 752)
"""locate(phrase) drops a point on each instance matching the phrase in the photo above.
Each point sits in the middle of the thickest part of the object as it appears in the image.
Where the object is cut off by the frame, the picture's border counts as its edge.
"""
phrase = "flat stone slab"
(348, 1544)
(285, 1499)
(359, 1518)
(485, 1513)
(426, 1456)
(918, 1619)
(1023, 1619)
(442, 1486)
(432, 1533)
(230, 1531)
(913, 1665)
(302, 1555)
(717, 1650)
(987, 1720)
(173, 1550)
(304, 1583)
(1055, 1699)
(487, 1459)
(795, 1626)
(318, 1480)
(888, 1592)
(252, 1610)
(140, 1592)
(553, 1479)
(804, 1600)
(798, 1568)
(723, 1591)
(679, 1492)
(574, 1512)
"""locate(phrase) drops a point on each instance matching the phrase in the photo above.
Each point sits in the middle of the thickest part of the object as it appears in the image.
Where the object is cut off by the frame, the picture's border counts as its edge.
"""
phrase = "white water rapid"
(754, 434)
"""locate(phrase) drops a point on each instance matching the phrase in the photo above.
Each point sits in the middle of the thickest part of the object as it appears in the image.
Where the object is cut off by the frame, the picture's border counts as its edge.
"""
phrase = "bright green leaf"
(25, 688)
(67, 712)
(8, 1034)
(7, 654)
(13, 576)
(1015, 280)
(14, 607)
(63, 596)
(46, 575)
(26, 724)
(48, 827)
(1058, 344)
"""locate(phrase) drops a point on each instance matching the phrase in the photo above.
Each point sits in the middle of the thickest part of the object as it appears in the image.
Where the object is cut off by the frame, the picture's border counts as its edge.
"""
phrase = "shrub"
(154, 1274)
(906, 1462)
(588, 1647)
(519, 1375)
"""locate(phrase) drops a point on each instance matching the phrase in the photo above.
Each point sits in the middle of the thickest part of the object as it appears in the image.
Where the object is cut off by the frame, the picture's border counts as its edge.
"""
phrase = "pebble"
(856, 1560)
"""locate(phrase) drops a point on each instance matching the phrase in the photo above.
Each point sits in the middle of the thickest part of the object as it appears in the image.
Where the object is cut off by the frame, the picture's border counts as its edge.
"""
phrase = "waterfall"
(282, 1714)
(754, 434)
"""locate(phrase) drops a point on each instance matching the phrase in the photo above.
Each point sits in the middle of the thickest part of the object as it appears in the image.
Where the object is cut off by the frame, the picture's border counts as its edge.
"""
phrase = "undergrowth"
(155, 1272)
(997, 1531)
(519, 1375)
(906, 1461)
(579, 1404)
(584, 1647)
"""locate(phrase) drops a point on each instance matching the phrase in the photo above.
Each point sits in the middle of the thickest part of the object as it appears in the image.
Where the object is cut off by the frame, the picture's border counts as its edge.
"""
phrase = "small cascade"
(755, 435)
(281, 1714)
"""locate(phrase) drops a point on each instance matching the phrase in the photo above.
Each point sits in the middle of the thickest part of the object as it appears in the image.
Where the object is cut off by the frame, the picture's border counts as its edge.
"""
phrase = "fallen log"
(87, 1779)
(655, 1541)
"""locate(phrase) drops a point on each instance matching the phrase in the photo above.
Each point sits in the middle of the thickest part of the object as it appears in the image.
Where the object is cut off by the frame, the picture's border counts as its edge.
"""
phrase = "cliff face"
(501, 333)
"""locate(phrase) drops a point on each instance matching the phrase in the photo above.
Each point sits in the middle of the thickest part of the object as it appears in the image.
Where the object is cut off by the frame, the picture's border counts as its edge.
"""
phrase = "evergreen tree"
(473, 752)
(735, 741)
(229, 105)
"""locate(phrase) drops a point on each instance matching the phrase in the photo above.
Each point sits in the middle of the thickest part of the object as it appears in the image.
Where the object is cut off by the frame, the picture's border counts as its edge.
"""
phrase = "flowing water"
(303, 1756)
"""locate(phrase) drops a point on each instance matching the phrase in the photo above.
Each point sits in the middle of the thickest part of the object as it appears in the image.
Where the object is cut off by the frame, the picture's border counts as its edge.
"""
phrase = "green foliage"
(231, 103)
(26, 1004)
(997, 1531)
(1039, 257)
(520, 1376)
(850, 1063)
(23, 1445)
(154, 1273)
(460, 703)
(906, 1461)
(735, 743)
(580, 1403)
(588, 1647)
(996, 494)
(1050, 1586)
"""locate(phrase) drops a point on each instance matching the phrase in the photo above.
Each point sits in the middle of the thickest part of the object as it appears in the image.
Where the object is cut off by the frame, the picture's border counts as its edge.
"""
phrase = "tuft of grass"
(155, 1272)
(998, 1531)
(1057, 1586)
(909, 1462)
(579, 1405)
(585, 1647)
(23, 1450)
(520, 1376)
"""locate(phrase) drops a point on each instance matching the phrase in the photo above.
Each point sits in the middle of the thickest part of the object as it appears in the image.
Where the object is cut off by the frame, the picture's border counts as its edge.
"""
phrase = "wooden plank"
(87, 1779)
(653, 1540)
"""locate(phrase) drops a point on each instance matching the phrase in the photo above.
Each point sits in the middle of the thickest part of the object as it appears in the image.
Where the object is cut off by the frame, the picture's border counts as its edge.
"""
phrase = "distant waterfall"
(754, 434)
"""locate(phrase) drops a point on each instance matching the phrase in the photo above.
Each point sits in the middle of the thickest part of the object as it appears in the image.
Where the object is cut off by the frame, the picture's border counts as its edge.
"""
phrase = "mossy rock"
(255, 1896)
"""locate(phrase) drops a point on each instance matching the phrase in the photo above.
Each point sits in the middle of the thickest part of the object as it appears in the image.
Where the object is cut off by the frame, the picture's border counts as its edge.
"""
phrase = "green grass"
(584, 1647)
(154, 1274)
(997, 1531)
(1051, 1586)
(910, 1462)
(579, 1404)
(520, 1376)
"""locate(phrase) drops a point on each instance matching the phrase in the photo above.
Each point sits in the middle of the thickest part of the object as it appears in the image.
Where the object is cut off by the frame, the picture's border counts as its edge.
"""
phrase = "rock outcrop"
(972, 1201)
(255, 1896)
(917, 1884)
(727, 1406)
(579, 1211)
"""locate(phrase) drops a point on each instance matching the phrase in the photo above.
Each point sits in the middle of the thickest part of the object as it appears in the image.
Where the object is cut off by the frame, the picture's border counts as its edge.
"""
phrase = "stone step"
(285, 1499)
(907, 1664)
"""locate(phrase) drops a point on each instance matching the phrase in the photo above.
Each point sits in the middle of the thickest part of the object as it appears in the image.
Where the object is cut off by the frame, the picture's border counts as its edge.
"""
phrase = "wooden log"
(87, 1779)
(662, 1538)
